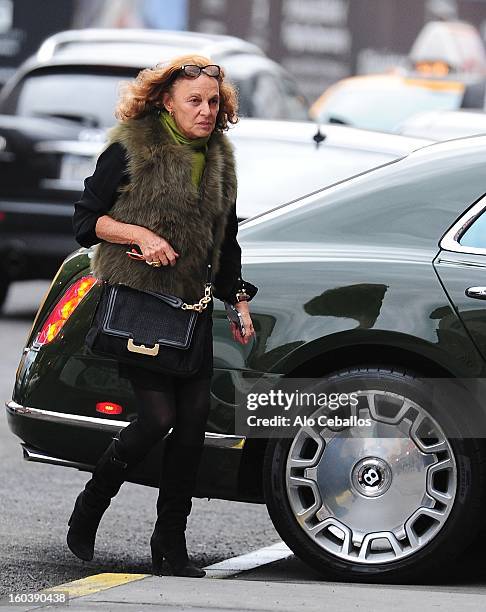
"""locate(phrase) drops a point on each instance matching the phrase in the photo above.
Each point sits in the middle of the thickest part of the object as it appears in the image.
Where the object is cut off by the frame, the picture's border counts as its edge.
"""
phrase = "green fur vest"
(161, 196)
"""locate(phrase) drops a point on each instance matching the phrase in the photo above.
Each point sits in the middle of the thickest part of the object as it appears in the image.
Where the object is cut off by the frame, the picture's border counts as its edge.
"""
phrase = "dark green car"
(371, 288)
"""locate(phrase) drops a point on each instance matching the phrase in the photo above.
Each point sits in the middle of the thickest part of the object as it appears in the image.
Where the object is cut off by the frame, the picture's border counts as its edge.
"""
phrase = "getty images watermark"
(427, 410)
(283, 409)
(291, 401)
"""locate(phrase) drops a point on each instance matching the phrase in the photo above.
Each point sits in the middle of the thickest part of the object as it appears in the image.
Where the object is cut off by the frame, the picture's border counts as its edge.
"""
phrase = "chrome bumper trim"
(69, 419)
(111, 426)
(39, 457)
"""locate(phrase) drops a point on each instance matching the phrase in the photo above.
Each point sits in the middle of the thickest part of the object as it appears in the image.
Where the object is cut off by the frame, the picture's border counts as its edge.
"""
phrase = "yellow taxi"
(384, 101)
(446, 71)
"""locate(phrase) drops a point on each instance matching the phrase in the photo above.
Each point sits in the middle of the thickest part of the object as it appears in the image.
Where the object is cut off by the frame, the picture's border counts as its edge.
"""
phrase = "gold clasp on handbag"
(141, 348)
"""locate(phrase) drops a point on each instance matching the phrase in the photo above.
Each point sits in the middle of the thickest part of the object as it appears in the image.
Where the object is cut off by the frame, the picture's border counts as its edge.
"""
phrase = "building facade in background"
(322, 41)
(24, 24)
(319, 41)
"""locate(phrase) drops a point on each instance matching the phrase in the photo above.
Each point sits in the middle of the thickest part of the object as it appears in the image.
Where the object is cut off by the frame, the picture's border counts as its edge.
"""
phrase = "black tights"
(183, 405)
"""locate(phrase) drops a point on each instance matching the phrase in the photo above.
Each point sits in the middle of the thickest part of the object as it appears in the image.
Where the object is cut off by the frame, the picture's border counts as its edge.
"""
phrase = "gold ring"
(155, 264)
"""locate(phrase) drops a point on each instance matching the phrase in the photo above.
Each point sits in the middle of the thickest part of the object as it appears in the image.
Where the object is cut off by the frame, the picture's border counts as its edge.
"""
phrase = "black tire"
(456, 533)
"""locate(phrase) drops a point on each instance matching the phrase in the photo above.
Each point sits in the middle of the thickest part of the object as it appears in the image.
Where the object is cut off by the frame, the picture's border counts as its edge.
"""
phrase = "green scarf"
(198, 146)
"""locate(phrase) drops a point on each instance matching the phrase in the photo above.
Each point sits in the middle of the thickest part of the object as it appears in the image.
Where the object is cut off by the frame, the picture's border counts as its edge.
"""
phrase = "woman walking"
(166, 185)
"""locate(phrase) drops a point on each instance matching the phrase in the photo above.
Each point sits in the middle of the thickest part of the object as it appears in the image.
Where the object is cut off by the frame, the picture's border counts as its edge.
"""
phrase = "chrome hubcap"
(373, 494)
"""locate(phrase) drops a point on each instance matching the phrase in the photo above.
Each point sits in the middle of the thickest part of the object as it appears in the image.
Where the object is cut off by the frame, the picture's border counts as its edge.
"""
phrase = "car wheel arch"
(327, 362)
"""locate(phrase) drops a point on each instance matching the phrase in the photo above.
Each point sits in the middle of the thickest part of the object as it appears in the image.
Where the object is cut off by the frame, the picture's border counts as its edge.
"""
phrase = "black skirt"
(141, 377)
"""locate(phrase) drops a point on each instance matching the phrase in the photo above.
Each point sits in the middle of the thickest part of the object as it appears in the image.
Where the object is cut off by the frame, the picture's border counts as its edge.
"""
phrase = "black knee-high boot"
(108, 476)
(177, 484)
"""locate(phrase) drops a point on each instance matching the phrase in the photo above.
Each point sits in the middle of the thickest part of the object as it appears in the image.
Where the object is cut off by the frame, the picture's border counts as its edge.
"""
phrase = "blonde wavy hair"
(142, 95)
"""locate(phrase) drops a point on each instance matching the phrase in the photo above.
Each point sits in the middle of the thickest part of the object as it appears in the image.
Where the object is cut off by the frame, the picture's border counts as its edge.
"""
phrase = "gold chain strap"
(203, 302)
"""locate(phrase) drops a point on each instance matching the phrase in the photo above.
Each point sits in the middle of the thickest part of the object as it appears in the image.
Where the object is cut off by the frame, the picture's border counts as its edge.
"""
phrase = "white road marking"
(249, 561)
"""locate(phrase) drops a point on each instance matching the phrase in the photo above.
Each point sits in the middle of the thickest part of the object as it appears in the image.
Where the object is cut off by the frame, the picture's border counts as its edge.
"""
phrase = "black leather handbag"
(151, 330)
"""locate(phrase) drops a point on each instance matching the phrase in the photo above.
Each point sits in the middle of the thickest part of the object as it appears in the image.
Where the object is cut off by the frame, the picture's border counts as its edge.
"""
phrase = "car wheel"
(395, 503)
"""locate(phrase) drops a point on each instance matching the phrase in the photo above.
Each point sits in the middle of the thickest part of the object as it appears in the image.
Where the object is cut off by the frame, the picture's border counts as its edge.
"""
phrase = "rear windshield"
(89, 98)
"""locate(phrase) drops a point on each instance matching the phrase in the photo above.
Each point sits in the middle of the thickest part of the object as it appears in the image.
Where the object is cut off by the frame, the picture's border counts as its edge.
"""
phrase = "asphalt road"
(36, 500)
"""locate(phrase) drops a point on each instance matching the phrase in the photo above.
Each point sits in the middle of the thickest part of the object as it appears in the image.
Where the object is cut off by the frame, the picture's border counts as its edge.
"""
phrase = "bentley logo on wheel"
(371, 477)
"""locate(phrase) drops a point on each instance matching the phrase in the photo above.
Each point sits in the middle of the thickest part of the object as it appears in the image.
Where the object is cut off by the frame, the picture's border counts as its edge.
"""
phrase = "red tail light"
(64, 309)
(109, 408)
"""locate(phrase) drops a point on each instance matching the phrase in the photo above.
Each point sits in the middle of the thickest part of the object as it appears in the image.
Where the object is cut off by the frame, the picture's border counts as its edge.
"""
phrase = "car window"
(475, 235)
(84, 97)
(384, 108)
(281, 171)
(411, 202)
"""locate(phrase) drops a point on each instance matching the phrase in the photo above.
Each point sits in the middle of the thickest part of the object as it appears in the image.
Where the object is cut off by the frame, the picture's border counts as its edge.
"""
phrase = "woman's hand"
(243, 309)
(155, 248)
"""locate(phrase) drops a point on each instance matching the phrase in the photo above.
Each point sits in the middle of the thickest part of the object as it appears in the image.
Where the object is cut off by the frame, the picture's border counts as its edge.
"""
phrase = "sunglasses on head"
(192, 71)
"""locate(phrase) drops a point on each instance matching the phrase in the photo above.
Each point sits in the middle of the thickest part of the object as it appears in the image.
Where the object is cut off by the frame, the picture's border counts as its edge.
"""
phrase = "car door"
(461, 266)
